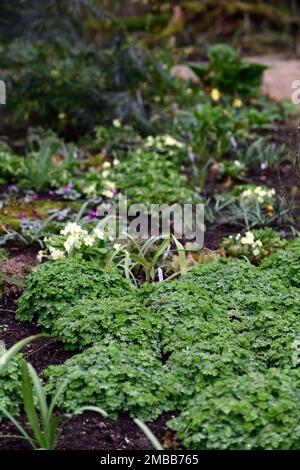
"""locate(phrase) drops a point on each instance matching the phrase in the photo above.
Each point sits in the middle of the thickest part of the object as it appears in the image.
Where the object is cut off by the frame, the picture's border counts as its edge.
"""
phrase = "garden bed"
(140, 341)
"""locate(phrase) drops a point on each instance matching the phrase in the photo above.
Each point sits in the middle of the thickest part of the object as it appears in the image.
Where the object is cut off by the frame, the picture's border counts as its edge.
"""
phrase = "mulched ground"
(92, 432)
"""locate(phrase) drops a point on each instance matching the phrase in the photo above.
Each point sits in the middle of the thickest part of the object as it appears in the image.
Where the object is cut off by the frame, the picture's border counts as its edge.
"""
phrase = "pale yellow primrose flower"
(260, 192)
(163, 140)
(248, 239)
(106, 165)
(54, 73)
(91, 189)
(107, 193)
(72, 241)
(110, 185)
(237, 103)
(117, 246)
(56, 254)
(215, 94)
(105, 174)
(170, 141)
(72, 228)
(40, 256)
(117, 123)
(89, 240)
(99, 233)
(150, 141)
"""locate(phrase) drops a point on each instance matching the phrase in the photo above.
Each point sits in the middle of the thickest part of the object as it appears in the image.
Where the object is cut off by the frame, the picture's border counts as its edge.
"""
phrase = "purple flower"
(36, 214)
(92, 213)
(22, 215)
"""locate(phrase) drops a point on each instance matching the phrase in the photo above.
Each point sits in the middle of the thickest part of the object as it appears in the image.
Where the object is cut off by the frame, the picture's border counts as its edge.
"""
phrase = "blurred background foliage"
(72, 64)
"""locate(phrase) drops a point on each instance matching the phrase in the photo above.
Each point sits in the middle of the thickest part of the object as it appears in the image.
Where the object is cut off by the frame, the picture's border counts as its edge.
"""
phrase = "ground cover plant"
(221, 323)
(158, 342)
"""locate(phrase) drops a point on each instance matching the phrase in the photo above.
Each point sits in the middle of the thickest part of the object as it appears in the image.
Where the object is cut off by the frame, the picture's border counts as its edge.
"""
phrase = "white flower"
(247, 194)
(257, 243)
(40, 256)
(72, 228)
(117, 123)
(110, 185)
(105, 173)
(117, 246)
(106, 165)
(150, 141)
(68, 245)
(256, 252)
(99, 233)
(262, 194)
(116, 162)
(248, 239)
(107, 193)
(89, 240)
(163, 140)
(271, 192)
(238, 236)
(54, 73)
(171, 142)
(73, 241)
(56, 254)
(91, 189)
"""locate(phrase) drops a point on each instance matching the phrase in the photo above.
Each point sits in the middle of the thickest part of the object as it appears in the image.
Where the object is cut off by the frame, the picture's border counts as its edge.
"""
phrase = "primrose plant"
(262, 195)
(254, 245)
(93, 243)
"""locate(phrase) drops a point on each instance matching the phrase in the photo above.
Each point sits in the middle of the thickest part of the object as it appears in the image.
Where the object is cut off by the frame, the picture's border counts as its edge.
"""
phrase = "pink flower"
(36, 214)
(22, 215)
(92, 213)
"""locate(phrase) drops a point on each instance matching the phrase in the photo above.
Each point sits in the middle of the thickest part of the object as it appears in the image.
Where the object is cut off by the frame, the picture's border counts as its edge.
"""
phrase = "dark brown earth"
(90, 431)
